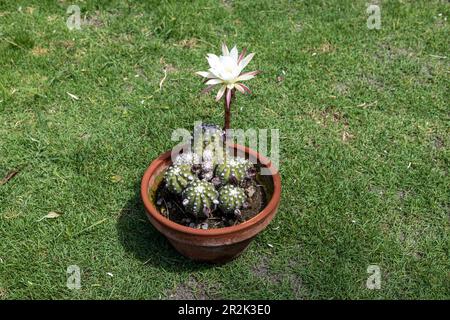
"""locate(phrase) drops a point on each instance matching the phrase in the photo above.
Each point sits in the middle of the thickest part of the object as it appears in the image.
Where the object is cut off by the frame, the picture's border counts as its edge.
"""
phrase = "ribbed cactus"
(207, 137)
(200, 197)
(177, 177)
(231, 198)
(210, 159)
(233, 168)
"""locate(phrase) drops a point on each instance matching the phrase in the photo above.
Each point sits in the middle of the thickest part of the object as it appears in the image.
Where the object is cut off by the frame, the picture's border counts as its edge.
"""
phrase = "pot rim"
(155, 214)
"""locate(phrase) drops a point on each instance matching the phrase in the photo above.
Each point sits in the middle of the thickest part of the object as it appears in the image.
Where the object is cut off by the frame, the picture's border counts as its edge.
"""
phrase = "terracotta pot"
(214, 245)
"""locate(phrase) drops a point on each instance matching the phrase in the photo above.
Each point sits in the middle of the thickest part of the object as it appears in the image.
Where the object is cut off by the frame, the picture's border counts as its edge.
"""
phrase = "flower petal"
(234, 54)
(239, 87)
(245, 88)
(214, 81)
(225, 51)
(247, 75)
(205, 74)
(213, 61)
(214, 72)
(241, 56)
(246, 60)
(220, 92)
(228, 98)
(208, 88)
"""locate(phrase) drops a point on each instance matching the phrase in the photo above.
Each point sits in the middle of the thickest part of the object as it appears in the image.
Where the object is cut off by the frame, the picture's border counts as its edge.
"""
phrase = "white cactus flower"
(226, 71)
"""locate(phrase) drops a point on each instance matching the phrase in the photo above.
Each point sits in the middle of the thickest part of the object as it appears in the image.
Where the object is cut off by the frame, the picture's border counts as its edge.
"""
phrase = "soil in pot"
(170, 206)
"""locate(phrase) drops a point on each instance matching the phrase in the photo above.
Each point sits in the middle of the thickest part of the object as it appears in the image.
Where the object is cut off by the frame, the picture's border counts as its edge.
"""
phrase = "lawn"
(364, 123)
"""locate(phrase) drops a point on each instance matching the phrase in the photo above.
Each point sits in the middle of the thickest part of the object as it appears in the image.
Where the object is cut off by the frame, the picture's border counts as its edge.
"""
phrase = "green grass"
(379, 196)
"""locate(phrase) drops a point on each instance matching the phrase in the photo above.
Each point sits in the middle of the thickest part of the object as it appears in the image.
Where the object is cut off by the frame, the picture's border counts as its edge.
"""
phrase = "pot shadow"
(138, 237)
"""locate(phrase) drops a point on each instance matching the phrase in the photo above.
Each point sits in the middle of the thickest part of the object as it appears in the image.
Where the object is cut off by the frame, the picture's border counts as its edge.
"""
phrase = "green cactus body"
(207, 137)
(198, 196)
(231, 198)
(233, 167)
(177, 177)
(209, 161)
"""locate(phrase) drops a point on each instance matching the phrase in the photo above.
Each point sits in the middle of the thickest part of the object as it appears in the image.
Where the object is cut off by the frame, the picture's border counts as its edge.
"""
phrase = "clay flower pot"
(213, 245)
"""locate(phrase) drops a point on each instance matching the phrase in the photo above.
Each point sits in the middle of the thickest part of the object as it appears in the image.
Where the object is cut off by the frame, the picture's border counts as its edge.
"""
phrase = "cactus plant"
(177, 177)
(231, 198)
(233, 168)
(200, 197)
(207, 136)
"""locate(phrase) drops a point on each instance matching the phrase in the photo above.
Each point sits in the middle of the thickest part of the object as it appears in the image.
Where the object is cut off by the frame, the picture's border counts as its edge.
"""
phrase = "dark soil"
(170, 206)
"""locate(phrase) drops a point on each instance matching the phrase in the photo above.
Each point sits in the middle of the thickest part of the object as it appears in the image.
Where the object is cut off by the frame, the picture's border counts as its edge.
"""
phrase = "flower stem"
(227, 107)
(227, 116)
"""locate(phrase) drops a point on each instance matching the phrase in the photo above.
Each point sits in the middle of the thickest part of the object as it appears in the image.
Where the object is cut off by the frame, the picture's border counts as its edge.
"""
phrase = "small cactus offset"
(177, 177)
(231, 198)
(207, 137)
(233, 168)
(210, 160)
(200, 197)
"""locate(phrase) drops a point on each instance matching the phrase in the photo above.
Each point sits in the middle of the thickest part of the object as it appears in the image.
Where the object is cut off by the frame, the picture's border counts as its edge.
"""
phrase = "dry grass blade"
(11, 174)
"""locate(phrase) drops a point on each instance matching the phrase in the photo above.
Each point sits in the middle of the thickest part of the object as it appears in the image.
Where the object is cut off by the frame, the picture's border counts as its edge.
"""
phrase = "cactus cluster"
(208, 179)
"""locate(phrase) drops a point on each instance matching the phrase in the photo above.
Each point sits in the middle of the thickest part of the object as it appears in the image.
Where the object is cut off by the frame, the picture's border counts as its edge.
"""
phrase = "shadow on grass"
(138, 236)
